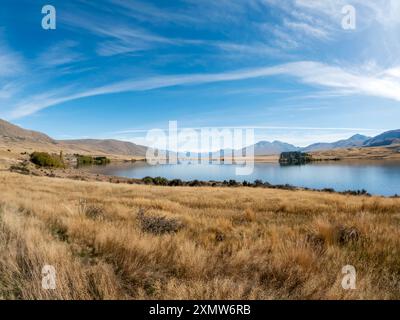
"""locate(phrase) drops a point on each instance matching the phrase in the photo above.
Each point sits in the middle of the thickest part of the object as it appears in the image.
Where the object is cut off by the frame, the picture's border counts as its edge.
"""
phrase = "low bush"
(87, 160)
(20, 168)
(92, 210)
(44, 159)
(176, 183)
(160, 181)
(148, 180)
(157, 224)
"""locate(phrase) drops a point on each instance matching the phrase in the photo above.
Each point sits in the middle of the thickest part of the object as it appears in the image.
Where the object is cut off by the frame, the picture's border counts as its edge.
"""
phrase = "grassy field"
(110, 241)
(391, 152)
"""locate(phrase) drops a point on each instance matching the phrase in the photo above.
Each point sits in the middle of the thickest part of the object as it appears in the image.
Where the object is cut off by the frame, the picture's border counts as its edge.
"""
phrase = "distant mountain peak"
(358, 136)
(384, 139)
(276, 147)
(356, 140)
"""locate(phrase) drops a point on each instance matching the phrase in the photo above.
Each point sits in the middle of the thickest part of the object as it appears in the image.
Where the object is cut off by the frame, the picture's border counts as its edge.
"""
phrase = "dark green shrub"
(176, 182)
(44, 159)
(148, 180)
(101, 160)
(160, 181)
(82, 160)
(232, 183)
(195, 183)
(88, 160)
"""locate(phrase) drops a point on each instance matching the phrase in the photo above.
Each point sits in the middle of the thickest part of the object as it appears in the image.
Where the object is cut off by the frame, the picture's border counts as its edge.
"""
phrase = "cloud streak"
(385, 84)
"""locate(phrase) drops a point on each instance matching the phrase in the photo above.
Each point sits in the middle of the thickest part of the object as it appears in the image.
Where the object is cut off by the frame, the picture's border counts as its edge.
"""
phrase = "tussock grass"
(115, 241)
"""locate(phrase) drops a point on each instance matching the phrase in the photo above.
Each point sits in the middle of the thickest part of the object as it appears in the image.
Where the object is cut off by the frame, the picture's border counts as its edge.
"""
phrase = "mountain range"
(12, 135)
(355, 141)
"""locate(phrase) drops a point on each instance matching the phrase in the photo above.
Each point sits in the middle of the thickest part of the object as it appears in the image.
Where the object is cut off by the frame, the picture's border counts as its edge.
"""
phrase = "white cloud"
(12, 67)
(59, 54)
(307, 29)
(308, 72)
(11, 62)
(301, 20)
(120, 37)
(7, 90)
(145, 11)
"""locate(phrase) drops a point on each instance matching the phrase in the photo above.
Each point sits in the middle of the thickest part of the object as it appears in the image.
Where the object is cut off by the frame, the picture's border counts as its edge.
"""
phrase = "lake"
(377, 177)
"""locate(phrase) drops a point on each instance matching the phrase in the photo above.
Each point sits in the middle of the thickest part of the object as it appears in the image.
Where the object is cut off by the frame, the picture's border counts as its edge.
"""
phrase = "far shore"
(76, 173)
(17, 160)
(18, 151)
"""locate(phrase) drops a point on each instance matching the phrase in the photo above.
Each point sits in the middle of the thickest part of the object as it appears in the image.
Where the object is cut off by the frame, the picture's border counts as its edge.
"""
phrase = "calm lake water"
(377, 177)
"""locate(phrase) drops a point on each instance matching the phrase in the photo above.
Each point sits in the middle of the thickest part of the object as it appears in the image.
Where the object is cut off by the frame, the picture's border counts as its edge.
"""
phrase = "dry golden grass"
(391, 152)
(230, 243)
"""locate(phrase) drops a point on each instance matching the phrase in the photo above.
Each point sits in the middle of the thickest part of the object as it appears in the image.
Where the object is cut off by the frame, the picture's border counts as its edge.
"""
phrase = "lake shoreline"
(20, 163)
(83, 175)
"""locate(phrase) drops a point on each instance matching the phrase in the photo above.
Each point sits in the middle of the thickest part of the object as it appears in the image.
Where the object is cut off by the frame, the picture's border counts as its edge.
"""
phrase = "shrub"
(91, 210)
(148, 180)
(232, 182)
(86, 160)
(176, 182)
(362, 192)
(160, 181)
(20, 168)
(195, 183)
(158, 225)
(44, 159)
(328, 233)
(347, 235)
(101, 160)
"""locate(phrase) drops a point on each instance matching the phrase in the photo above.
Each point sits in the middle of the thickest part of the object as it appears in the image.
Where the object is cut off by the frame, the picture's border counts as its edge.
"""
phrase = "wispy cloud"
(145, 11)
(12, 67)
(60, 54)
(307, 72)
(8, 90)
(11, 62)
(307, 29)
(234, 29)
(117, 37)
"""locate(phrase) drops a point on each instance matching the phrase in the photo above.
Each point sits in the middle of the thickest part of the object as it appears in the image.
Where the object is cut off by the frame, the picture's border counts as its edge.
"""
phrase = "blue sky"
(117, 68)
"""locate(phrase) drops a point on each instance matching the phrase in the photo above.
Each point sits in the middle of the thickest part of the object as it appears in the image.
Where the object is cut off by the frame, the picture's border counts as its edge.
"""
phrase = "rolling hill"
(28, 140)
(355, 141)
(109, 146)
(265, 148)
(273, 148)
(384, 139)
(12, 133)
(12, 136)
